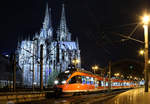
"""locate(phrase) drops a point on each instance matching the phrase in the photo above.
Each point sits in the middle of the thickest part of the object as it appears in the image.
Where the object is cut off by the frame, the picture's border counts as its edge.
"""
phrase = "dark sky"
(92, 21)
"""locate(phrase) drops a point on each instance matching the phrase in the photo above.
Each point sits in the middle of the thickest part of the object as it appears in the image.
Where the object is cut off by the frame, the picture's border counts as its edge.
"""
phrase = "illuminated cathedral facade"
(58, 53)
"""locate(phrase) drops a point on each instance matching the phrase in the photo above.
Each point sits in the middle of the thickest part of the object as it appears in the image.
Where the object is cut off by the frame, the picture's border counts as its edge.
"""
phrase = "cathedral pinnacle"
(62, 33)
(47, 19)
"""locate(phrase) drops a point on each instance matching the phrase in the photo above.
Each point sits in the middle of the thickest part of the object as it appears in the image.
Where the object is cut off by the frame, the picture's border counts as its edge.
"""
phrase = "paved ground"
(78, 99)
(135, 96)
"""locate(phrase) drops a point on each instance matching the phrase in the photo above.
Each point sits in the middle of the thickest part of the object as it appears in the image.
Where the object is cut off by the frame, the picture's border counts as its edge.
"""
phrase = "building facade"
(58, 53)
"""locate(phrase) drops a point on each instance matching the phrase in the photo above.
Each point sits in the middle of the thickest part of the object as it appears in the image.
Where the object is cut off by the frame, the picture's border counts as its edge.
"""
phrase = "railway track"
(79, 99)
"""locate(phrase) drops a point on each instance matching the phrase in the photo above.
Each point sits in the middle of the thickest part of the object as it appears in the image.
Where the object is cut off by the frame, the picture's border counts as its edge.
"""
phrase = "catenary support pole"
(41, 67)
(14, 73)
(109, 77)
(33, 69)
(146, 56)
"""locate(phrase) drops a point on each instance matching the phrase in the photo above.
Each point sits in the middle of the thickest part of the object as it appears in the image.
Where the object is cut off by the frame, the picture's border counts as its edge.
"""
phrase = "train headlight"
(63, 82)
(67, 71)
(56, 82)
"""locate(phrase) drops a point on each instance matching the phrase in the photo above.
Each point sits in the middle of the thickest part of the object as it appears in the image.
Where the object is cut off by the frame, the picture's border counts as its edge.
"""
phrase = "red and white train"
(85, 81)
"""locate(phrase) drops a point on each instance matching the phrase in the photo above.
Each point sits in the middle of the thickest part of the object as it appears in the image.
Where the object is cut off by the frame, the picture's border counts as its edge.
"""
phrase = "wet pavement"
(79, 99)
(134, 96)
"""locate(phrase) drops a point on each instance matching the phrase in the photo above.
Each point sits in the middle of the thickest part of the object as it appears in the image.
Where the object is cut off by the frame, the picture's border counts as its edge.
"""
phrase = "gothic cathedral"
(57, 53)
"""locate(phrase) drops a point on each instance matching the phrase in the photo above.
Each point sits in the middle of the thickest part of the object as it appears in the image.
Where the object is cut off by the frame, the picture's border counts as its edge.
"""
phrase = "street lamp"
(141, 52)
(117, 74)
(75, 62)
(145, 21)
(148, 61)
(122, 76)
(95, 67)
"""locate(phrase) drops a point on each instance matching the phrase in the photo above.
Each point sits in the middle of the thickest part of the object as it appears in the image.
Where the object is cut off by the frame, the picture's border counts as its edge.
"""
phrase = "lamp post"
(117, 74)
(145, 26)
(33, 69)
(75, 62)
(109, 77)
(95, 67)
(141, 52)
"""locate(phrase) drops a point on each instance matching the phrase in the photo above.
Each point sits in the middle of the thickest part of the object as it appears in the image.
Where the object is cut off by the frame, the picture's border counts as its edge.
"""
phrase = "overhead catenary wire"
(127, 37)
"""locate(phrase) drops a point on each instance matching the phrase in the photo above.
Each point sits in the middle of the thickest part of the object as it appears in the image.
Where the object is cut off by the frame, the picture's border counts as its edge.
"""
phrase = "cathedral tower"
(62, 32)
(57, 53)
(47, 25)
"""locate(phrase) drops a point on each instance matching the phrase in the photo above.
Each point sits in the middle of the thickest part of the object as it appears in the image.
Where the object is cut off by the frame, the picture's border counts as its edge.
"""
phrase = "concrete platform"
(134, 96)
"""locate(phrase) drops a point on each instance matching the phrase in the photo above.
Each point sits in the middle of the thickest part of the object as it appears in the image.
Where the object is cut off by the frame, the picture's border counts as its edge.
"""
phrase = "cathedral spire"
(63, 30)
(47, 19)
(63, 25)
(77, 43)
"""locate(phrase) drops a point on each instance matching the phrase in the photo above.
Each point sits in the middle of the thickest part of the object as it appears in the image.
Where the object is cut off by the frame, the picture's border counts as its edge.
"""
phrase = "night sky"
(94, 22)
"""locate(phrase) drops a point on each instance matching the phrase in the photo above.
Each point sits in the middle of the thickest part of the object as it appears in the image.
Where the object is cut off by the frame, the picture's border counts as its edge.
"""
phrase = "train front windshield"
(62, 77)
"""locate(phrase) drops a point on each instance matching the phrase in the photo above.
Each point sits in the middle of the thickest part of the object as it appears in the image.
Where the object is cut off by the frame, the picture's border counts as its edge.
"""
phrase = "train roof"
(87, 72)
(84, 71)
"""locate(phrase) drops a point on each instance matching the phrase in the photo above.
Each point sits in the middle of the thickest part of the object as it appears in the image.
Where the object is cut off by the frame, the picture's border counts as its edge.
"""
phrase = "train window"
(79, 79)
(72, 80)
(96, 83)
(83, 80)
(92, 80)
(106, 83)
(112, 84)
(128, 84)
(116, 83)
(102, 83)
(63, 76)
(75, 79)
(99, 83)
(87, 80)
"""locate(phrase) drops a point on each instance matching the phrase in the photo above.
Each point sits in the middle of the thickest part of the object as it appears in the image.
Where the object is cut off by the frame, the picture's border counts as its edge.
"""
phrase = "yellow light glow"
(145, 19)
(95, 67)
(141, 52)
(148, 61)
(130, 76)
(78, 61)
(117, 74)
(92, 67)
(75, 61)
(122, 76)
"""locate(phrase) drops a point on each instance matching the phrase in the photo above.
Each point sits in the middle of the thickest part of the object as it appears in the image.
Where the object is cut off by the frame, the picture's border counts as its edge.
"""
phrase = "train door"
(96, 82)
